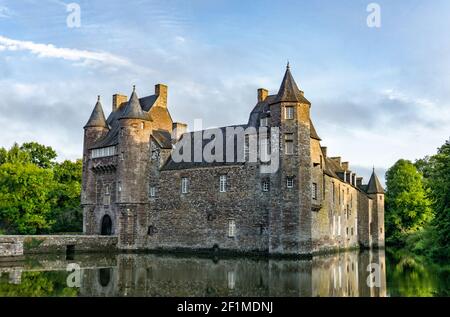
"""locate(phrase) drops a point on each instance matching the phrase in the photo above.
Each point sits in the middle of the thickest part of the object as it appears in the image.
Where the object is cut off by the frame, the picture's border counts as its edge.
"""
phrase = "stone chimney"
(262, 94)
(324, 151)
(354, 179)
(117, 101)
(345, 166)
(161, 91)
(337, 160)
(178, 129)
(359, 181)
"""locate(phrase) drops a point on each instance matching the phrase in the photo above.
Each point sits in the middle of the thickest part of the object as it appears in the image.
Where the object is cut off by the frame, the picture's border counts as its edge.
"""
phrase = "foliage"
(439, 167)
(67, 211)
(37, 194)
(408, 207)
(41, 155)
(25, 197)
(38, 284)
(407, 217)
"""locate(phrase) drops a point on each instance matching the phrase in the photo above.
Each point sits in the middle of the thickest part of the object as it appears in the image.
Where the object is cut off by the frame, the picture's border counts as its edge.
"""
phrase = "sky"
(378, 94)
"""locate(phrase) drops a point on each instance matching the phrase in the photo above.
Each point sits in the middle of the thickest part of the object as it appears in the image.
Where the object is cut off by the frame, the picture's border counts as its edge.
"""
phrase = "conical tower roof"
(133, 109)
(374, 186)
(289, 91)
(97, 118)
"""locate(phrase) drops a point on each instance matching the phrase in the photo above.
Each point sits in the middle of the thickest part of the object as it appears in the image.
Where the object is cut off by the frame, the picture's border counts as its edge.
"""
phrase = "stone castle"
(135, 187)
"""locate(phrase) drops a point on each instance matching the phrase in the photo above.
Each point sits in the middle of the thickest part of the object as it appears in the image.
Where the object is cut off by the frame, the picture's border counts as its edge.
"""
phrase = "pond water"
(348, 274)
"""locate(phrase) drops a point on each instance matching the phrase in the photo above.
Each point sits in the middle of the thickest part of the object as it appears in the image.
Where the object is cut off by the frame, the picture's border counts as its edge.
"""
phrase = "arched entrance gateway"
(106, 226)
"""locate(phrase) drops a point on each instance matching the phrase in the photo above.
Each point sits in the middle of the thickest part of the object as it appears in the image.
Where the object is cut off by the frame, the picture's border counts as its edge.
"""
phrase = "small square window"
(289, 113)
(223, 183)
(314, 191)
(231, 229)
(290, 182)
(184, 185)
(266, 185)
(152, 191)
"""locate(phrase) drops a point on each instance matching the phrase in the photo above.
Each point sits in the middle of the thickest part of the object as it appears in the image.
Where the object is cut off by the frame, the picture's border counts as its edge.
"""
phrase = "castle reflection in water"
(349, 274)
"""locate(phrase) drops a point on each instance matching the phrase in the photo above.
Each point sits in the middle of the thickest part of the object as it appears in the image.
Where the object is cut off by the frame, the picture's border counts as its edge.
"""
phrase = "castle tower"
(290, 215)
(95, 129)
(376, 226)
(132, 172)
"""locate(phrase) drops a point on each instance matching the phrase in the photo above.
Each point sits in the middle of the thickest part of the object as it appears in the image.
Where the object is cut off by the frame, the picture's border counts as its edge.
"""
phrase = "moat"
(349, 274)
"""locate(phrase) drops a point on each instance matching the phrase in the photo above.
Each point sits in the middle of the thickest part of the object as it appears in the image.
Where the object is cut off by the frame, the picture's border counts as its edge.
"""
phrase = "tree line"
(38, 195)
(418, 204)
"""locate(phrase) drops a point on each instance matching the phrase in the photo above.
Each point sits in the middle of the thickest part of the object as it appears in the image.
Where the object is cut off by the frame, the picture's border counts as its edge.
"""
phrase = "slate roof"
(172, 165)
(112, 138)
(97, 118)
(164, 138)
(374, 186)
(133, 109)
(289, 91)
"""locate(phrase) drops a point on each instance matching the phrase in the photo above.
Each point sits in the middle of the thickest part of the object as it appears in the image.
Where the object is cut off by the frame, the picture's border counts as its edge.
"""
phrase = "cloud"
(5, 12)
(82, 57)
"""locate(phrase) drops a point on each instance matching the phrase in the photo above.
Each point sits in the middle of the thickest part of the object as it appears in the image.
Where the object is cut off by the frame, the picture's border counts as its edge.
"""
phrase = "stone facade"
(134, 186)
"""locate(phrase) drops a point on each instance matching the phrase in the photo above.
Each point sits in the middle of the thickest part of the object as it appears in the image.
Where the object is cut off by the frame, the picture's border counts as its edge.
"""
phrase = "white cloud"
(5, 12)
(75, 55)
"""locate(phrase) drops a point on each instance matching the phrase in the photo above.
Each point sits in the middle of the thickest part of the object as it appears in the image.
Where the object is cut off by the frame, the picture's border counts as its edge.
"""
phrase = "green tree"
(41, 155)
(408, 207)
(439, 183)
(67, 211)
(25, 200)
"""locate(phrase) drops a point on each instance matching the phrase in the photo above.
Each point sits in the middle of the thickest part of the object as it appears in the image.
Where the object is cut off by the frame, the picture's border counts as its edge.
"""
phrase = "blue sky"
(378, 94)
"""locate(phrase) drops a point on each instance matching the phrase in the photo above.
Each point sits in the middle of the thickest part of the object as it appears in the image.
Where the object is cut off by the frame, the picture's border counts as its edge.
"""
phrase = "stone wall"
(10, 247)
(58, 244)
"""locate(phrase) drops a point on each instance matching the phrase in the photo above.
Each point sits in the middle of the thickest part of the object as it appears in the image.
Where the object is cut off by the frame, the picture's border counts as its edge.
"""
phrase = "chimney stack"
(178, 129)
(345, 166)
(161, 92)
(262, 94)
(117, 101)
(359, 181)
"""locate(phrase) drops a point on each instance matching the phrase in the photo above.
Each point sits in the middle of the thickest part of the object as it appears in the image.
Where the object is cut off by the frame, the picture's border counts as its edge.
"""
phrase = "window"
(339, 225)
(314, 191)
(151, 230)
(152, 191)
(122, 156)
(346, 231)
(223, 183)
(264, 122)
(352, 230)
(333, 192)
(107, 196)
(119, 190)
(231, 229)
(290, 182)
(184, 185)
(334, 225)
(289, 113)
(289, 144)
(104, 152)
(266, 185)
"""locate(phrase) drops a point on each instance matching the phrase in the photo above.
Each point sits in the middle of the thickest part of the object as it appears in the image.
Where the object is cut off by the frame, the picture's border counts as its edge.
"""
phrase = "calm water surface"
(346, 274)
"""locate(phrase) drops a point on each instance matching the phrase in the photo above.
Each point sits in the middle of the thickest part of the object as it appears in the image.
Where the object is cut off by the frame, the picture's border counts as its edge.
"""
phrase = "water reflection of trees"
(37, 284)
(413, 276)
